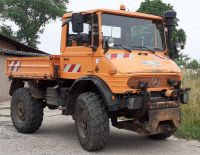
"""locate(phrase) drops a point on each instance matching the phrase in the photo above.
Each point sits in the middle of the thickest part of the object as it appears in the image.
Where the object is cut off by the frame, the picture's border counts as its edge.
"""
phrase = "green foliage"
(157, 7)
(7, 31)
(30, 16)
(190, 120)
(180, 36)
(188, 63)
(193, 64)
(188, 131)
(183, 60)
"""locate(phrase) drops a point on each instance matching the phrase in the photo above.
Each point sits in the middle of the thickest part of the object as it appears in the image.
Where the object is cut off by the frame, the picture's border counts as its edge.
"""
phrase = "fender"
(15, 84)
(102, 87)
(91, 83)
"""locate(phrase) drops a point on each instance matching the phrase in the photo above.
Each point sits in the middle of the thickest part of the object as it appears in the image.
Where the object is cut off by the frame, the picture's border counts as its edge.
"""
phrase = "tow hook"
(184, 95)
(145, 97)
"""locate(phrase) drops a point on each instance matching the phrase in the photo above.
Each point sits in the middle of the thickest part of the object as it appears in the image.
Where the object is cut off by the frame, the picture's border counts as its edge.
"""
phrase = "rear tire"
(26, 112)
(91, 121)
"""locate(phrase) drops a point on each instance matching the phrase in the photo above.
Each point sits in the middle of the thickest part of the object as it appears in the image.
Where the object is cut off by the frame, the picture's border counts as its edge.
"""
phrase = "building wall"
(7, 43)
(4, 82)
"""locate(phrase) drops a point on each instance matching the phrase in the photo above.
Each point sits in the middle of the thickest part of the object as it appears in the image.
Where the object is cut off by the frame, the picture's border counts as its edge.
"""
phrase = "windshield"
(134, 32)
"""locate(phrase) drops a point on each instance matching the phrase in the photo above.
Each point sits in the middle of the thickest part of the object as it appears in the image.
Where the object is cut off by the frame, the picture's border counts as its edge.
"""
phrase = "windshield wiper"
(123, 47)
(158, 49)
(144, 47)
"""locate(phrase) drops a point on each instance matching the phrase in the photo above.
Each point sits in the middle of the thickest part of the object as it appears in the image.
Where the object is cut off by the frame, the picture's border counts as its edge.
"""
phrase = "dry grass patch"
(190, 127)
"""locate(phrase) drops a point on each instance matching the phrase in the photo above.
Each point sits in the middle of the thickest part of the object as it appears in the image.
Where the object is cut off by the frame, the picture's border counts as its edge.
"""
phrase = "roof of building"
(19, 46)
(21, 53)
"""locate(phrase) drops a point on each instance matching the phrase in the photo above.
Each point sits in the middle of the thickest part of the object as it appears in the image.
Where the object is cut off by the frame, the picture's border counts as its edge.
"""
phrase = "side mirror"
(77, 22)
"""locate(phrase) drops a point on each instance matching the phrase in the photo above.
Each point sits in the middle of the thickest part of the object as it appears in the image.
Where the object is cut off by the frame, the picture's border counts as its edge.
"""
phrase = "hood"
(142, 62)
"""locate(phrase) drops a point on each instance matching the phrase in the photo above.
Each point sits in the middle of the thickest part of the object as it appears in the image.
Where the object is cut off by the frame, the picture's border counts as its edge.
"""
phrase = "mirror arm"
(94, 49)
(66, 22)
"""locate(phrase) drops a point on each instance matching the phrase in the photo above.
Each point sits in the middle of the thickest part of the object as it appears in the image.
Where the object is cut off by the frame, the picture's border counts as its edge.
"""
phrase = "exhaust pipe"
(169, 17)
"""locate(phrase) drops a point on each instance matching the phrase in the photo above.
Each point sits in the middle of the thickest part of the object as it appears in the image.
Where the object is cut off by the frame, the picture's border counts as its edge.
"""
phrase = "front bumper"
(160, 121)
(158, 117)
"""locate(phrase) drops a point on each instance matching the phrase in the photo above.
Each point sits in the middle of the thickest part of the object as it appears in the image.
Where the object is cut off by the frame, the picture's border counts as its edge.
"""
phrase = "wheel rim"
(82, 124)
(20, 111)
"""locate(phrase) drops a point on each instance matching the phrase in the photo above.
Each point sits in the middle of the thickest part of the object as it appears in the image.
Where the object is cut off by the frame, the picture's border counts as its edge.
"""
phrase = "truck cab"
(116, 44)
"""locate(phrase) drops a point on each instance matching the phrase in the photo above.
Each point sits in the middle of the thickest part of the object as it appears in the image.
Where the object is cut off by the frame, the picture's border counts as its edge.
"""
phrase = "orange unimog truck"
(113, 64)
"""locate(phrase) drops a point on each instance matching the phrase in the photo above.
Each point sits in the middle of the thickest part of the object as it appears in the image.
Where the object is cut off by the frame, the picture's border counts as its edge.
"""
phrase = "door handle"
(142, 54)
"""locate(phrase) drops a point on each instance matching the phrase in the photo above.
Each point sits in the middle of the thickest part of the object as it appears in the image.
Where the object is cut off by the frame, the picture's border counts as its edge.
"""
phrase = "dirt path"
(57, 136)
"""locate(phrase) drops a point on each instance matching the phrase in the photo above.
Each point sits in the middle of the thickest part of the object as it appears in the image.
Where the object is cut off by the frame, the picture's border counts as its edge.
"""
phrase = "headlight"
(110, 42)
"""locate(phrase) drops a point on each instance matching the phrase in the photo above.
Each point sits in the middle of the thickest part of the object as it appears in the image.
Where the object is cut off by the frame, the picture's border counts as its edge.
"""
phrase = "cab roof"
(118, 12)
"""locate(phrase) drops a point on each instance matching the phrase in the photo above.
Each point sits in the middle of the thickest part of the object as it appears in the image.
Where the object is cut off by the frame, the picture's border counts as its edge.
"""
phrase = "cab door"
(76, 59)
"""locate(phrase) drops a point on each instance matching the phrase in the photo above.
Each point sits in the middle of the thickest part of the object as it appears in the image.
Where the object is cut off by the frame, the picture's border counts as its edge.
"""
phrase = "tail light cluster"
(153, 82)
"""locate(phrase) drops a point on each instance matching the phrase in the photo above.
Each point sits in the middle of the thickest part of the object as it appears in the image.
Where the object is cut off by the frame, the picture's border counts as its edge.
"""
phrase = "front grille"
(153, 82)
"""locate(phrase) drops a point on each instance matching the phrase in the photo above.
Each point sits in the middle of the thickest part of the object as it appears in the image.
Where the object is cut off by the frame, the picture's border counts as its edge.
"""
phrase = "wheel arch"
(15, 84)
(88, 84)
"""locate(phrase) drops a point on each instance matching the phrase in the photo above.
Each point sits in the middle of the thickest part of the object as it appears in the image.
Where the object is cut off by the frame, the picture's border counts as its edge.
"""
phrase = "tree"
(30, 16)
(157, 7)
(183, 60)
(194, 64)
(7, 31)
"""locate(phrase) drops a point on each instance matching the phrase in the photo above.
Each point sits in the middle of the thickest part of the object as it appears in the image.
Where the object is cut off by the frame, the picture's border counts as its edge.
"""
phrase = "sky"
(187, 12)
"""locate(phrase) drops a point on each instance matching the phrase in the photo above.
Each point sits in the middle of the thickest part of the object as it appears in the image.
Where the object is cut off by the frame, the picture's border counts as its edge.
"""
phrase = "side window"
(74, 39)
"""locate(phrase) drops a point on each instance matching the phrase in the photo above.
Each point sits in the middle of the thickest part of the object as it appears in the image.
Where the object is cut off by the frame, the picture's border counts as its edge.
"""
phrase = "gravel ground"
(57, 136)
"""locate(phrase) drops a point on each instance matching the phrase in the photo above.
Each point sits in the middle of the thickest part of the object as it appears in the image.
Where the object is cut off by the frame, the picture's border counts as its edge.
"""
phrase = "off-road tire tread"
(99, 121)
(34, 115)
(161, 136)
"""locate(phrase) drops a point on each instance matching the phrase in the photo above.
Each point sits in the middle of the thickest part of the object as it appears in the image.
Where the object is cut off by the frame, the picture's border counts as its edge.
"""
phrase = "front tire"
(91, 121)
(161, 136)
(26, 112)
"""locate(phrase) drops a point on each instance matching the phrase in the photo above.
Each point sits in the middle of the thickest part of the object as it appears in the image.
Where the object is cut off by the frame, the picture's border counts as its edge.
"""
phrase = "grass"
(190, 117)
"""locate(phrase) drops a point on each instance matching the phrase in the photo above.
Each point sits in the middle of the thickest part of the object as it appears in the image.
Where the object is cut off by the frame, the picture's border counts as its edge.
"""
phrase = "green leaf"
(31, 16)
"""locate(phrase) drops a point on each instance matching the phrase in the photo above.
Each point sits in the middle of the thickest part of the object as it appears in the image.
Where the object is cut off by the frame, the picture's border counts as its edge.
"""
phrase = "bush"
(190, 117)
